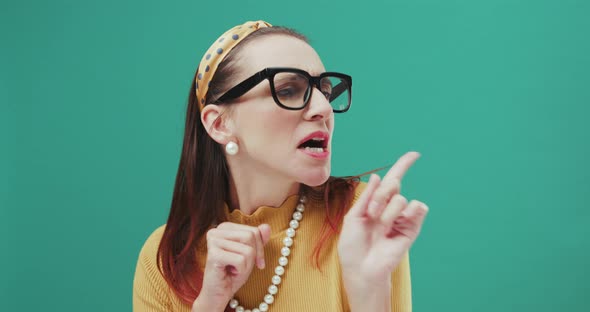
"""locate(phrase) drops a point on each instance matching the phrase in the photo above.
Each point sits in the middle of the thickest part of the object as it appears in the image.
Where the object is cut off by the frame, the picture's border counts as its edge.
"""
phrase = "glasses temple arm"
(243, 87)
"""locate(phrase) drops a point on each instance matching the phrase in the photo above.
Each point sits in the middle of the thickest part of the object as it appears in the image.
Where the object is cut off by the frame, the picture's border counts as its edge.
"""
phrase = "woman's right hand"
(232, 251)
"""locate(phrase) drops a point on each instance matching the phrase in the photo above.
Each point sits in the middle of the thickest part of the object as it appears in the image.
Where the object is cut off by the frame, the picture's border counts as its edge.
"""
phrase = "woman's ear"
(217, 123)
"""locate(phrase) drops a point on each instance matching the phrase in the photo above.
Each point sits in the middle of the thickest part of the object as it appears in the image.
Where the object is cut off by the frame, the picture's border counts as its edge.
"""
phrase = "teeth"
(314, 149)
(317, 139)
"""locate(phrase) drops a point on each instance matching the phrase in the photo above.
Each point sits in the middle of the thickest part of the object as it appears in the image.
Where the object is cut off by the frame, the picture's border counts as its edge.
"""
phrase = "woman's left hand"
(379, 229)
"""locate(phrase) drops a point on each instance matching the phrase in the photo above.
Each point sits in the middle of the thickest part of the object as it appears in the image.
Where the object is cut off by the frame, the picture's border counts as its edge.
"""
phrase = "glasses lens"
(337, 92)
(291, 89)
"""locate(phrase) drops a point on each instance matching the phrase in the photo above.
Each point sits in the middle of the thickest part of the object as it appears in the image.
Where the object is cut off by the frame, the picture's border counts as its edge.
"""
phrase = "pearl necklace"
(280, 269)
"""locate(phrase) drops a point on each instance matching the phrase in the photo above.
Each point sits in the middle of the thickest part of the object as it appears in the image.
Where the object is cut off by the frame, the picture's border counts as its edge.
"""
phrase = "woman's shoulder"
(150, 289)
(149, 250)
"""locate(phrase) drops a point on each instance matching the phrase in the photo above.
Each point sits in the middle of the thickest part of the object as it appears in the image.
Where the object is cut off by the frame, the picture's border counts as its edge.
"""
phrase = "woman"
(254, 190)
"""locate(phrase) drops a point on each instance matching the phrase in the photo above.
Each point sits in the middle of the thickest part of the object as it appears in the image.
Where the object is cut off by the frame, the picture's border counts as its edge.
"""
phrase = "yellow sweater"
(303, 286)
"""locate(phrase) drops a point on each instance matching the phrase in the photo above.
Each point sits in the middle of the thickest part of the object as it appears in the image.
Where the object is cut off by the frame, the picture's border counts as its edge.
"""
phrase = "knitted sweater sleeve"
(150, 290)
(401, 287)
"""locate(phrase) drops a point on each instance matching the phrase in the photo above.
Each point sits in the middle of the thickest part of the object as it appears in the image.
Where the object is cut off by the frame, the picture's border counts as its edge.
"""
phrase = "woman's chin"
(316, 177)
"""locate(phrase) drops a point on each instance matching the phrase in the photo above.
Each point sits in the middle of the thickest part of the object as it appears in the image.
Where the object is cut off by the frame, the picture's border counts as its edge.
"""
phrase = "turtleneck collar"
(277, 217)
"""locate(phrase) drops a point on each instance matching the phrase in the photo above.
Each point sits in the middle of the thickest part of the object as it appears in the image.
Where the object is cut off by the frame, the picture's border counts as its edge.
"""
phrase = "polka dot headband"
(217, 52)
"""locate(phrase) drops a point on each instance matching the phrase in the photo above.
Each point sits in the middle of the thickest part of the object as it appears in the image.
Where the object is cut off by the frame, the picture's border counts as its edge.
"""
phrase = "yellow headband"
(217, 52)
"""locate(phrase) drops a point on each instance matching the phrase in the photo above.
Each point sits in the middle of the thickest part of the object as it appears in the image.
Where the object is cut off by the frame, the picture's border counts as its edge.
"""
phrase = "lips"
(315, 145)
(315, 140)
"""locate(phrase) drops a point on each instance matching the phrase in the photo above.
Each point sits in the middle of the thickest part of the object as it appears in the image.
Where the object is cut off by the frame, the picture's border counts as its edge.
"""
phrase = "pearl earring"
(231, 148)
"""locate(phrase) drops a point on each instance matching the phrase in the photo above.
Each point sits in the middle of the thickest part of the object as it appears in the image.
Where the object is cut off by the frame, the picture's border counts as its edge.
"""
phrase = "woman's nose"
(318, 106)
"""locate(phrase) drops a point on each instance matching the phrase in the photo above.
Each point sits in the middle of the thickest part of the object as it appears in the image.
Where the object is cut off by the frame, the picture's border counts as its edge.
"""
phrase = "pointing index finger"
(401, 166)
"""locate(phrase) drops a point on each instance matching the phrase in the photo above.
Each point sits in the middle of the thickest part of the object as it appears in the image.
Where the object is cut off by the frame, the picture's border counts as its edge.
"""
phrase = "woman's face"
(270, 137)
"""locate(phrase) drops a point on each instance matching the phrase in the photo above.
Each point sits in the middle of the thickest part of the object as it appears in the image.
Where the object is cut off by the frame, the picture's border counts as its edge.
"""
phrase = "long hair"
(202, 187)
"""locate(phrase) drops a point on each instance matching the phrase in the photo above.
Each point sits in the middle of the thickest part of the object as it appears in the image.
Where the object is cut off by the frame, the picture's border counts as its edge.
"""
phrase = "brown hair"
(202, 187)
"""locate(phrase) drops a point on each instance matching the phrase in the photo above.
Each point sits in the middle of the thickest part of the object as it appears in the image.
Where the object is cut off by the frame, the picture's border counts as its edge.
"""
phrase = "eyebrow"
(315, 73)
(288, 76)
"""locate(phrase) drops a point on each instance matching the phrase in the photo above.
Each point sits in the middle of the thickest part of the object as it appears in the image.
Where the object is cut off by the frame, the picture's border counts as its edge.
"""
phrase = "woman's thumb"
(264, 232)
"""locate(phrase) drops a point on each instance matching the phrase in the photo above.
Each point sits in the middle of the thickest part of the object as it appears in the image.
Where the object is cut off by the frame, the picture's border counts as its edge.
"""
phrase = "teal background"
(494, 94)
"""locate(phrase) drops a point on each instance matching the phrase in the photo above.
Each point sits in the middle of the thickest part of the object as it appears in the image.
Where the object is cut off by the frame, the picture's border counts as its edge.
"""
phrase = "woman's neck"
(250, 191)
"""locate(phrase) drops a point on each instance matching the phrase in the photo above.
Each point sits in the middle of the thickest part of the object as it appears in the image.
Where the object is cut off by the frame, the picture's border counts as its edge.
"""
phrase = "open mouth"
(315, 145)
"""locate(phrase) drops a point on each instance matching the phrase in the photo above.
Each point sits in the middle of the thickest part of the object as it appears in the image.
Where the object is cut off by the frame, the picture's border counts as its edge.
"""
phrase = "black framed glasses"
(291, 88)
